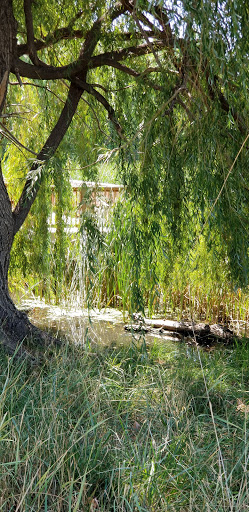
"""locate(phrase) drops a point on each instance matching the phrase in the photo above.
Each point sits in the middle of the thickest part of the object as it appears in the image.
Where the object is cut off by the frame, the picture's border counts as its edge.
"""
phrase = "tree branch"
(163, 19)
(93, 34)
(101, 99)
(64, 33)
(187, 110)
(215, 92)
(33, 180)
(51, 39)
(139, 18)
(136, 74)
(45, 72)
(131, 51)
(67, 34)
(30, 33)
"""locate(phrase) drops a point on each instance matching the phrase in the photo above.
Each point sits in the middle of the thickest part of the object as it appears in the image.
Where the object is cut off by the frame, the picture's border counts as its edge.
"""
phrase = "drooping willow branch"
(101, 99)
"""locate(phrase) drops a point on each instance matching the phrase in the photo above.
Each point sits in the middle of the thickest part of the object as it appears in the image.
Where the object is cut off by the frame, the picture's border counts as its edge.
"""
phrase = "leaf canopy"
(164, 88)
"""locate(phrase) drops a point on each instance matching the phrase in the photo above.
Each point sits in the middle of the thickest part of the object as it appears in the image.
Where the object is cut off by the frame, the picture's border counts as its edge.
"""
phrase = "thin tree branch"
(6, 133)
(30, 32)
(180, 87)
(15, 114)
(136, 74)
(147, 39)
(33, 180)
(131, 51)
(96, 117)
(163, 19)
(101, 99)
(187, 110)
(61, 34)
(58, 35)
(93, 34)
(92, 109)
(215, 93)
(131, 7)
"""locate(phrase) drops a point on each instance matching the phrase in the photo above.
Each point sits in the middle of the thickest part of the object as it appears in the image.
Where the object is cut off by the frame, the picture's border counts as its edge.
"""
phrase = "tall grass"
(125, 430)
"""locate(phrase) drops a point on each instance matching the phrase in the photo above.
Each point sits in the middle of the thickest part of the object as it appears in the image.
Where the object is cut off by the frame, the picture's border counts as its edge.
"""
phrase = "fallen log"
(203, 333)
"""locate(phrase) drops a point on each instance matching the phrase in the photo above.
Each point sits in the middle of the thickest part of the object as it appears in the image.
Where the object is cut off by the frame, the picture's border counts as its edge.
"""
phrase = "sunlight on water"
(103, 327)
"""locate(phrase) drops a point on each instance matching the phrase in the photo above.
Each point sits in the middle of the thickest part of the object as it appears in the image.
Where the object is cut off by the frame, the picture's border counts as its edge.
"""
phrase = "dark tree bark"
(7, 46)
(14, 325)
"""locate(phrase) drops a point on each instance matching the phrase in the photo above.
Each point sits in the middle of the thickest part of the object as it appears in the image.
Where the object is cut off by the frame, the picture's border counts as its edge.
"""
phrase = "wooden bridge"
(101, 196)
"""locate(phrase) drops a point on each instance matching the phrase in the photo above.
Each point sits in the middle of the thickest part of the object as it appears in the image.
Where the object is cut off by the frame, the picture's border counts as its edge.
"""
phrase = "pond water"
(102, 327)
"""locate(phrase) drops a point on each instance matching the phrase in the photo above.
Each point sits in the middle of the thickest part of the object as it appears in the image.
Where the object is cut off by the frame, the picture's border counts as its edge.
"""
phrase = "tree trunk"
(7, 46)
(11, 320)
(15, 326)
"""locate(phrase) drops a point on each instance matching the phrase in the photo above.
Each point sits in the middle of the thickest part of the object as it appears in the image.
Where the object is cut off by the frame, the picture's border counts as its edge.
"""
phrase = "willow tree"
(184, 59)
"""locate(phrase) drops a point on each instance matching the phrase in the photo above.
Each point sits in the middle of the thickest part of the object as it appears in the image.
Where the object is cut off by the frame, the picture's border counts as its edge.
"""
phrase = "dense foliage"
(176, 130)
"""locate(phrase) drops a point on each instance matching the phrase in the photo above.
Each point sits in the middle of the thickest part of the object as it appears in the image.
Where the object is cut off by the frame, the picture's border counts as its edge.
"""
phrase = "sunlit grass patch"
(126, 429)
